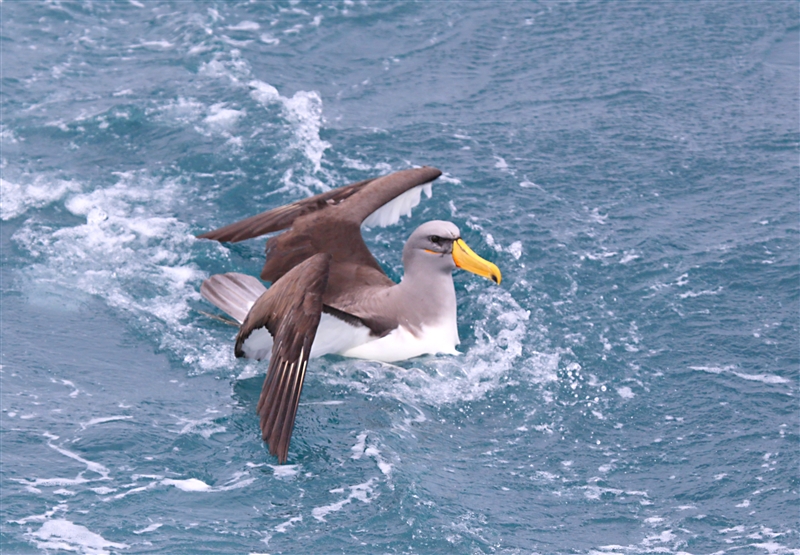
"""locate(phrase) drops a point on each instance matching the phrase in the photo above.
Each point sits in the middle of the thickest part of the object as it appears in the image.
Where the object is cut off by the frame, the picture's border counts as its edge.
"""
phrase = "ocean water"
(631, 388)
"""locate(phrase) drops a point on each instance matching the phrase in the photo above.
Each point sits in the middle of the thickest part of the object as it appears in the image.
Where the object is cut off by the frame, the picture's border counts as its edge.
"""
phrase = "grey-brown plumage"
(290, 310)
(329, 222)
(324, 278)
(232, 293)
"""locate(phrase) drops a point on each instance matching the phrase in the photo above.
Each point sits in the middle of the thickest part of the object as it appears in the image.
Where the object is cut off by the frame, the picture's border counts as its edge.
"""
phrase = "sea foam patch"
(499, 335)
(17, 198)
(132, 252)
(763, 378)
(364, 492)
(63, 535)
(302, 112)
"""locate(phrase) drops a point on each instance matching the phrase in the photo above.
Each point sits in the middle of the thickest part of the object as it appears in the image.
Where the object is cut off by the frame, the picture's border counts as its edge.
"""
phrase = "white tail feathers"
(232, 293)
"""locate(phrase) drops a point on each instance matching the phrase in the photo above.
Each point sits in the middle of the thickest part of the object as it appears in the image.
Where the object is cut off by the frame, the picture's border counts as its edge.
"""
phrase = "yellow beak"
(467, 260)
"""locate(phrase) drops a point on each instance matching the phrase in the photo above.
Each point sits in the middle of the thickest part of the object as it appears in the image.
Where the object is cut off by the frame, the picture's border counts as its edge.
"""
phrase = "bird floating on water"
(330, 296)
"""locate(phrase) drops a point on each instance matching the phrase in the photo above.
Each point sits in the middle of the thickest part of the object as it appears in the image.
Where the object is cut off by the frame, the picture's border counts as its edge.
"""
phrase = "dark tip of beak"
(494, 279)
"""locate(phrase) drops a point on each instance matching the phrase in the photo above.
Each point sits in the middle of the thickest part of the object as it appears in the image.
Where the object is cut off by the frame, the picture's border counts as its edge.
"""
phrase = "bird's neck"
(429, 297)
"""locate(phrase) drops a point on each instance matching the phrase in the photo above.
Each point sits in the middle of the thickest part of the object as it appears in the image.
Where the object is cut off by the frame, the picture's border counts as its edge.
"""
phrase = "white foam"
(205, 427)
(264, 92)
(131, 491)
(514, 249)
(358, 448)
(245, 26)
(91, 466)
(137, 259)
(150, 528)
(776, 548)
(184, 111)
(625, 392)
(267, 38)
(63, 491)
(763, 378)
(227, 65)
(162, 44)
(190, 484)
(285, 471)
(223, 118)
(383, 466)
(103, 420)
(16, 199)
(447, 178)
(595, 492)
(283, 527)
(304, 112)
(361, 449)
(63, 535)
(664, 537)
(692, 294)
(362, 492)
(499, 337)
(237, 481)
(195, 485)
(357, 164)
(103, 490)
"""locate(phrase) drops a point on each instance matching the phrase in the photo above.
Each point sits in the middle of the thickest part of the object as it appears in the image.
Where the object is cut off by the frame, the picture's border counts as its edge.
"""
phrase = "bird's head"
(439, 244)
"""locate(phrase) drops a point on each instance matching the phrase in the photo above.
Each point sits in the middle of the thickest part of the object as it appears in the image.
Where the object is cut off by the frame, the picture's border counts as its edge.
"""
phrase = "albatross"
(330, 296)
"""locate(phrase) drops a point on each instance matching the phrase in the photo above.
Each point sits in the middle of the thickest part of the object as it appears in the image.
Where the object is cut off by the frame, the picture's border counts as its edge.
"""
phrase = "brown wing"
(383, 190)
(291, 311)
(337, 230)
(282, 217)
(329, 222)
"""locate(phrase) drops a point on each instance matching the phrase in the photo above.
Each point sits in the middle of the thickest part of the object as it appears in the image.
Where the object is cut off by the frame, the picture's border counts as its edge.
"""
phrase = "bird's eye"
(435, 239)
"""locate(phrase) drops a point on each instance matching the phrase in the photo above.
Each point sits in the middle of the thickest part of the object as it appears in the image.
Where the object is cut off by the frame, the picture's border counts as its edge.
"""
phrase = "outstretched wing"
(290, 311)
(281, 217)
(384, 190)
(331, 223)
(337, 230)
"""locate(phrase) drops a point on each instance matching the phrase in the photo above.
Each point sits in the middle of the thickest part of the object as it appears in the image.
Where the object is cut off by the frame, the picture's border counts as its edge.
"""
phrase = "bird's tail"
(232, 293)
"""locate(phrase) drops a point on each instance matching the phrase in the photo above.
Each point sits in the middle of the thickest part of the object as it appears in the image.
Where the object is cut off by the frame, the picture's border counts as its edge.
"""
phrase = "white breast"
(258, 344)
(401, 344)
(337, 337)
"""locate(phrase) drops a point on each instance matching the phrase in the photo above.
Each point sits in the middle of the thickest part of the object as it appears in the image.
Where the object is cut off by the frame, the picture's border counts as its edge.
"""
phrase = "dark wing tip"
(291, 311)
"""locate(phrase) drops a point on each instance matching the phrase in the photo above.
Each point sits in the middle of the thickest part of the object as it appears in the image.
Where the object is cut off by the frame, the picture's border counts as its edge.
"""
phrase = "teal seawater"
(632, 387)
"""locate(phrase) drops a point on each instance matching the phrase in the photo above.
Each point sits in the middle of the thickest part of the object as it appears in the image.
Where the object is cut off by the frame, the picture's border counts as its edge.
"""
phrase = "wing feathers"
(322, 255)
(385, 189)
(281, 217)
(365, 201)
(291, 311)
(390, 213)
